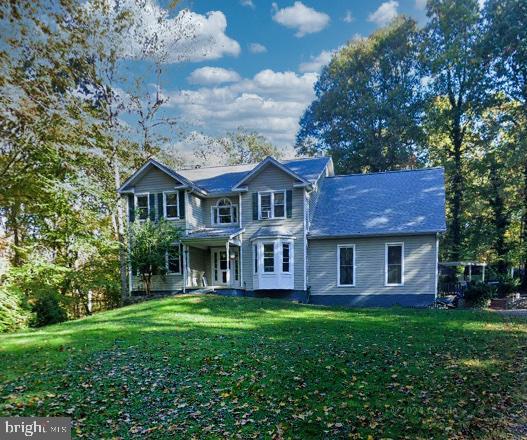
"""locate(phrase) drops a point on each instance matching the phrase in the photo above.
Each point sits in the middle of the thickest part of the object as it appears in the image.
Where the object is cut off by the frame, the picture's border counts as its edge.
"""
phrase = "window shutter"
(160, 200)
(152, 201)
(131, 208)
(289, 203)
(181, 203)
(255, 206)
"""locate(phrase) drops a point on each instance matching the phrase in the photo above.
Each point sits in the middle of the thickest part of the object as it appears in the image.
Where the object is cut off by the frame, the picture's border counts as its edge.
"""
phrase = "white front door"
(222, 265)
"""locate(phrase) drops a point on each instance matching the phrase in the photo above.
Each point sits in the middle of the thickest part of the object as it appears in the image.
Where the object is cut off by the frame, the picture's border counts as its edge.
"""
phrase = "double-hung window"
(346, 265)
(255, 251)
(272, 204)
(174, 259)
(224, 212)
(279, 204)
(142, 207)
(268, 257)
(394, 264)
(171, 200)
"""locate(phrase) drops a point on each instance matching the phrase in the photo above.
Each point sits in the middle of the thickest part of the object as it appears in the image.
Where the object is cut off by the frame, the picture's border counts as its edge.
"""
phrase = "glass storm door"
(220, 266)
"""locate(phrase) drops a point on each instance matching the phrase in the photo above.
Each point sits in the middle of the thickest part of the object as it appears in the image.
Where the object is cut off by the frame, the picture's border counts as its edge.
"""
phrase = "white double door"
(225, 268)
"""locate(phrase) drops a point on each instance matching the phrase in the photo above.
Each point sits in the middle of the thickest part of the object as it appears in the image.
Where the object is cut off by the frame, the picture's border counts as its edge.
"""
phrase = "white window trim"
(272, 193)
(232, 208)
(386, 246)
(290, 244)
(278, 256)
(262, 253)
(165, 205)
(181, 253)
(346, 246)
(256, 259)
(136, 210)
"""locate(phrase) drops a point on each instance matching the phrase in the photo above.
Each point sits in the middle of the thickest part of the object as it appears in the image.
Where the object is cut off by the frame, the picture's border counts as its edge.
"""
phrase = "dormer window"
(224, 212)
(272, 205)
(141, 206)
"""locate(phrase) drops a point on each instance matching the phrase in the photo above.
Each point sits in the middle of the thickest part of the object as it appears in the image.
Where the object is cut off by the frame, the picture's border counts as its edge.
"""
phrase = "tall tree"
(367, 107)
(236, 148)
(506, 44)
(126, 32)
(455, 73)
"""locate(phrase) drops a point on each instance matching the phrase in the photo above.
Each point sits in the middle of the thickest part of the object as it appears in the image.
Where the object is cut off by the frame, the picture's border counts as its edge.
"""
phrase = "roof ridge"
(218, 166)
(407, 170)
(251, 164)
(296, 159)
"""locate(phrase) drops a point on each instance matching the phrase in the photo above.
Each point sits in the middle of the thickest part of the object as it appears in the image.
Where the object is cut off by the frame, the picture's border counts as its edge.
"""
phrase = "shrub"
(150, 242)
(506, 286)
(14, 313)
(48, 308)
(477, 294)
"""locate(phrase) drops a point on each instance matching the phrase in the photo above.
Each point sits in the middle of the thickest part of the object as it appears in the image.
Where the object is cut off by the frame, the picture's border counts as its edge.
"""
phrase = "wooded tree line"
(75, 120)
(452, 93)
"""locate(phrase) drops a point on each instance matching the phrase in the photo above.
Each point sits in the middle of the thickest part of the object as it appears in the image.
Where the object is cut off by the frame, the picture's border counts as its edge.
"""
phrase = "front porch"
(212, 259)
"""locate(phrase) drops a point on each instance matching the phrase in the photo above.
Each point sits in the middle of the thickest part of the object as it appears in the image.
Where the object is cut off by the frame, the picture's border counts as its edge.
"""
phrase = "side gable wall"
(419, 267)
(155, 181)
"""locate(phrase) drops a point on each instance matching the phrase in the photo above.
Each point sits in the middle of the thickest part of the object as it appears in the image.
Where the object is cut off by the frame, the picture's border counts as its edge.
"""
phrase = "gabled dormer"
(155, 191)
(241, 185)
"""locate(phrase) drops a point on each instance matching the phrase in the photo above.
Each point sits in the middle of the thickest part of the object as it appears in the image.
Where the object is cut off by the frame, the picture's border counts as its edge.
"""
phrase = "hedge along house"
(293, 229)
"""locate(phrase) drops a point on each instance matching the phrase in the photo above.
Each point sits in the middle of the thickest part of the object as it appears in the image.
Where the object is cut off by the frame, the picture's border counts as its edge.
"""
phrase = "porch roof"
(213, 233)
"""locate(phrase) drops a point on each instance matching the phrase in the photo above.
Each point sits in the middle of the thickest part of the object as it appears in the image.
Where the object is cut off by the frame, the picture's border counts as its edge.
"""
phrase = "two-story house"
(293, 229)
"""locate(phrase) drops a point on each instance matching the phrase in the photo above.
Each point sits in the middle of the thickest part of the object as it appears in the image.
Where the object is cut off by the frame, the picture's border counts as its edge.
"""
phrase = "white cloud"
(304, 19)
(316, 63)
(209, 40)
(187, 36)
(385, 13)
(348, 18)
(248, 3)
(270, 103)
(257, 48)
(212, 75)
(420, 4)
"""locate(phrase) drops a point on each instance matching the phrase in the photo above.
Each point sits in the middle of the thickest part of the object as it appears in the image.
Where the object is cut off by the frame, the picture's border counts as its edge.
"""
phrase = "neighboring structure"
(293, 229)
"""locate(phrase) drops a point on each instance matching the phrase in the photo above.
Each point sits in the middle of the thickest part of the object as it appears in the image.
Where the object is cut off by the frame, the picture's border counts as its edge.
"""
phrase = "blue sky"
(254, 63)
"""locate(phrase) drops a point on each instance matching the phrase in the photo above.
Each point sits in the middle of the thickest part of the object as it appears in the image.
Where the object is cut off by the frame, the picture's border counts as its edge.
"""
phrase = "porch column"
(227, 247)
(184, 256)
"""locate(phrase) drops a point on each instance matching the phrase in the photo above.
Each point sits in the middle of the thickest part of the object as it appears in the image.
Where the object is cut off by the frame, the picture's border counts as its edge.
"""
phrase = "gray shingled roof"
(398, 202)
(222, 179)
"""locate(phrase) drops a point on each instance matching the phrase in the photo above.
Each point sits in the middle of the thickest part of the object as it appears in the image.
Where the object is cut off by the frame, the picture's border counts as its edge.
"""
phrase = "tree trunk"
(457, 188)
(123, 266)
(13, 221)
(147, 280)
(524, 227)
(501, 220)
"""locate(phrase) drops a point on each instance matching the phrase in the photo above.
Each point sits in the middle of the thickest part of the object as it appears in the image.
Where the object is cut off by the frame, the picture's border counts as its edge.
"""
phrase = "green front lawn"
(217, 367)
